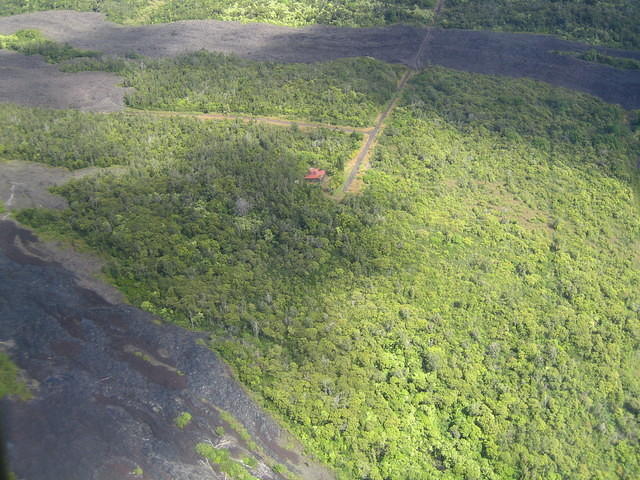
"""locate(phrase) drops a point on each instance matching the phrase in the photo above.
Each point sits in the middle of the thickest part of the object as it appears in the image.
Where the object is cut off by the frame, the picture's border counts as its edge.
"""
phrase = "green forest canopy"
(474, 313)
(349, 91)
(602, 22)
(351, 13)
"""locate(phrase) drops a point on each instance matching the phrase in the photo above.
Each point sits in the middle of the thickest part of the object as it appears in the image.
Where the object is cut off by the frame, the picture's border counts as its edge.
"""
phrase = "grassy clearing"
(31, 42)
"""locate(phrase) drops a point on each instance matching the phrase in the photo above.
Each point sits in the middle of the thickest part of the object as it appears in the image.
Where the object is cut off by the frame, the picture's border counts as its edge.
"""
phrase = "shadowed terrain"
(517, 55)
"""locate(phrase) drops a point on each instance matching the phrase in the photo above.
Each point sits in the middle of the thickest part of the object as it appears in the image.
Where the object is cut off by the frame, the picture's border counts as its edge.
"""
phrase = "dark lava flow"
(109, 382)
(509, 54)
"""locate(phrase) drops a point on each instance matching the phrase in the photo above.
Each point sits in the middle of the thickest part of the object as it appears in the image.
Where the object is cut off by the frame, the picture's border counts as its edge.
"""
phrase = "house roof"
(315, 174)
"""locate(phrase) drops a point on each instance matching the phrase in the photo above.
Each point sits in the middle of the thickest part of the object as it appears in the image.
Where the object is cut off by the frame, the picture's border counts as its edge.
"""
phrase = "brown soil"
(279, 122)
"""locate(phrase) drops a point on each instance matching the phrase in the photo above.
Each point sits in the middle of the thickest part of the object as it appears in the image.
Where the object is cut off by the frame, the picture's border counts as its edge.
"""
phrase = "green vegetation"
(283, 12)
(222, 459)
(239, 429)
(606, 22)
(76, 140)
(473, 314)
(137, 472)
(10, 383)
(31, 42)
(250, 462)
(347, 91)
(597, 57)
(602, 22)
(183, 420)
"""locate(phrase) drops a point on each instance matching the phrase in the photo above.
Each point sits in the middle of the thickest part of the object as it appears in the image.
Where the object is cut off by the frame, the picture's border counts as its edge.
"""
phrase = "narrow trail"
(280, 122)
(370, 134)
(9, 202)
(371, 138)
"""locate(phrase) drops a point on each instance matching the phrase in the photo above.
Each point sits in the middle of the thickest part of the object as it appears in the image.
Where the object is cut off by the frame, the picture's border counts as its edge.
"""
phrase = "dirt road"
(370, 140)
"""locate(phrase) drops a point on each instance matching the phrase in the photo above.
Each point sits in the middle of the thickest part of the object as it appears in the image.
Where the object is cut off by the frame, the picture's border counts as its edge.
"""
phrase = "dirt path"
(8, 204)
(371, 138)
(33, 82)
(279, 122)
(360, 163)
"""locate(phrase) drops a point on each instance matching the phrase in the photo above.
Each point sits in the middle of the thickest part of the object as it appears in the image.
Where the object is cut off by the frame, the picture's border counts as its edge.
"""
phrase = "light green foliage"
(473, 314)
(10, 383)
(183, 420)
(601, 22)
(31, 42)
(222, 459)
(597, 57)
(137, 472)
(220, 430)
(250, 462)
(282, 12)
(348, 91)
(76, 140)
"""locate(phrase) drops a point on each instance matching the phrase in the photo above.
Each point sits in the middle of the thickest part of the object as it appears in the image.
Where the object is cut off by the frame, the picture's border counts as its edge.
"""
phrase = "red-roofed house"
(315, 175)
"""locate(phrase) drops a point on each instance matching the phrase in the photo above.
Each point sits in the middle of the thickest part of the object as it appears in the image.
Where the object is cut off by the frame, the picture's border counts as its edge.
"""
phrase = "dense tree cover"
(600, 22)
(348, 91)
(31, 42)
(473, 314)
(353, 13)
(71, 139)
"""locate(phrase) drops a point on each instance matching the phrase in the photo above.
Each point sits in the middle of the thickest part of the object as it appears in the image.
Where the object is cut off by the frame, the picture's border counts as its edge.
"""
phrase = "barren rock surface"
(29, 80)
(109, 380)
(510, 54)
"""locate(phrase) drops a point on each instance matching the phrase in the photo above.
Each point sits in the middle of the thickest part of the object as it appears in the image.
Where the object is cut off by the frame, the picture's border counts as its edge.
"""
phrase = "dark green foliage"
(75, 140)
(348, 91)
(31, 42)
(284, 12)
(597, 57)
(474, 314)
(600, 22)
(102, 63)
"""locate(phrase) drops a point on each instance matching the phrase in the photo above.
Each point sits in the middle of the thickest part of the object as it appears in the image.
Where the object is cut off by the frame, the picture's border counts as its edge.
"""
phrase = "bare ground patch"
(27, 184)
(29, 80)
